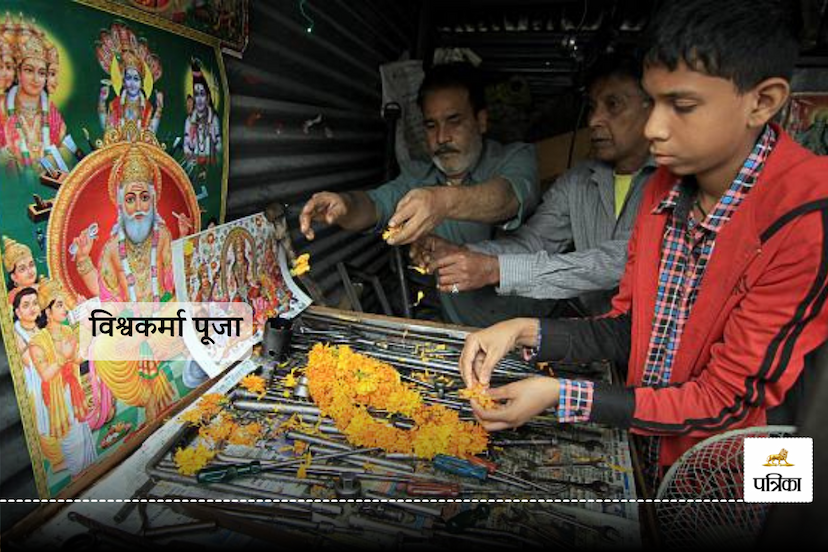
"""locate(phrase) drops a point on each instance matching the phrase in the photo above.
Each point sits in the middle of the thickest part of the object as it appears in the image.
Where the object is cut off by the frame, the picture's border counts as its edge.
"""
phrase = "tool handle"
(433, 489)
(458, 466)
(491, 467)
(218, 474)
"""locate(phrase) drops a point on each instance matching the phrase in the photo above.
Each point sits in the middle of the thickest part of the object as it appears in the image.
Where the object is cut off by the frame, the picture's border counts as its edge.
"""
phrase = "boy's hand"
(484, 349)
(524, 400)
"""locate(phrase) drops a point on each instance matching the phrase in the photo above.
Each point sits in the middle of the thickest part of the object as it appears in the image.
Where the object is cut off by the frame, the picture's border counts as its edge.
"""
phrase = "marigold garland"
(344, 384)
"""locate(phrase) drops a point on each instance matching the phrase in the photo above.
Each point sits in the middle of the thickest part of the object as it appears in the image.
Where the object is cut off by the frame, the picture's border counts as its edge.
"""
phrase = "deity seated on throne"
(142, 186)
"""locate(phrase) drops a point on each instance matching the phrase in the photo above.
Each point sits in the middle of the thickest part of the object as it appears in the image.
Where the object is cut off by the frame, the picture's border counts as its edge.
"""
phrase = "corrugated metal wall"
(288, 77)
(280, 149)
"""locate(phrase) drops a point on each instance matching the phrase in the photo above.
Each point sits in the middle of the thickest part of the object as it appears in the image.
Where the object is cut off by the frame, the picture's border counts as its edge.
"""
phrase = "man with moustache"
(472, 186)
(575, 245)
(136, 261)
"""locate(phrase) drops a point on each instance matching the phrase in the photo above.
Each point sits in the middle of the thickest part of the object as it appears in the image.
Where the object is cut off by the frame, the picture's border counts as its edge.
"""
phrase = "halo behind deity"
(84, 200)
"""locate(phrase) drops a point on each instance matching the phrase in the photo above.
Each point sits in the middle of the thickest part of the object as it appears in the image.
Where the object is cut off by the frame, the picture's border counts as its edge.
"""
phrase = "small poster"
(241, 261)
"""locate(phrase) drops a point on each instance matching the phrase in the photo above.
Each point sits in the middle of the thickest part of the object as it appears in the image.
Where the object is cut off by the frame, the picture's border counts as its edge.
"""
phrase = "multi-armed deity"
(133, 71)
(132, 261)
(33, 132)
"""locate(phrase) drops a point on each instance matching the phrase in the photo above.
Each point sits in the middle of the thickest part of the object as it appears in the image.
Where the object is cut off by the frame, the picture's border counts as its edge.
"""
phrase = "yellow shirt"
(622, 188)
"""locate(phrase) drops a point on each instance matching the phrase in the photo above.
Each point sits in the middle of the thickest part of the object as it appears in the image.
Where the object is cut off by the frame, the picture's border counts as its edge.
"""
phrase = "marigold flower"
(345, 384)
(254, 384)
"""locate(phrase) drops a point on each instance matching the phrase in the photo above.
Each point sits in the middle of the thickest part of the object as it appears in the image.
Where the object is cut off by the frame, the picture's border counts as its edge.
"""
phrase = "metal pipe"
(363, 458)
(432, 511)
(392, 528)
(236, 490)
(275, 407)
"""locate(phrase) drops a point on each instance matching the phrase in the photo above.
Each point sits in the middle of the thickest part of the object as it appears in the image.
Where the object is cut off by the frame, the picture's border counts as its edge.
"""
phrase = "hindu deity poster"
(112, 145)
(225, 20)
(244, 260)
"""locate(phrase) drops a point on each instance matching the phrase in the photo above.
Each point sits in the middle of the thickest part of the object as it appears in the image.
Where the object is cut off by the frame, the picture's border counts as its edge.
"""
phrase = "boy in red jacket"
(723, 295)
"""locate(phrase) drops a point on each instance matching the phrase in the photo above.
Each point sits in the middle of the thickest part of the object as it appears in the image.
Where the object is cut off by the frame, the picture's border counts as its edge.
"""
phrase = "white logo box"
(779, 482)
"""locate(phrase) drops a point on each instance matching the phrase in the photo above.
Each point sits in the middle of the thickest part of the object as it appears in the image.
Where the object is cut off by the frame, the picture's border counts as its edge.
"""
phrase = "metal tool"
(458, 466)
(590, 445)
(429, 489)
(496, 474)
(392, 528)
(605, 531)
(348, 486)
(599, 463)
(128, 540)
(381, 511)
(423, 509)
(225, 473)
(124, 511)
(468, 518)
(598, 487)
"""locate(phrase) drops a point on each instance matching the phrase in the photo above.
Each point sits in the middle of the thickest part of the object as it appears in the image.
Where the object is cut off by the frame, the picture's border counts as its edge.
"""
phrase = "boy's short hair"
(744, 41)
(454, 75)
(620, 65)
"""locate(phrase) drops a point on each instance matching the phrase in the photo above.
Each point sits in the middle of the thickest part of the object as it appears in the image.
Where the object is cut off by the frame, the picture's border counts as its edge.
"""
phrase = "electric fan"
(688, 508)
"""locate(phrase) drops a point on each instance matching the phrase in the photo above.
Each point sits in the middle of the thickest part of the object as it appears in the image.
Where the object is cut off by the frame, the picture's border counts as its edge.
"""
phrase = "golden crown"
(31, 47)
(130, 60)
(5, 48)
(133, 166)
(14, 252)
(47, 291)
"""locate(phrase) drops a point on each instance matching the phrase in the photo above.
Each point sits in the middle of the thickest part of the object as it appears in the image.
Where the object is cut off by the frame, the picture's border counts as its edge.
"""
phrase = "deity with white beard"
(136, 261)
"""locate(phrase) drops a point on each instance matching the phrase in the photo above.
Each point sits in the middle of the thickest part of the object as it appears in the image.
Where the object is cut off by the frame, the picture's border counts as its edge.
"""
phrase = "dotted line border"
(368, 500)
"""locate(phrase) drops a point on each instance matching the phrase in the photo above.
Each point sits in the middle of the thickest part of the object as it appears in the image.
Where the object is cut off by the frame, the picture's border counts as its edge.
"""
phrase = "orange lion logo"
(778, 458)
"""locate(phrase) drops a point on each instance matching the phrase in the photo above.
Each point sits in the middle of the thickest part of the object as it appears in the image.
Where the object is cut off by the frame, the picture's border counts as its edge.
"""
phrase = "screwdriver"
(458, 466)
(449, 490)
(222, 474)
(598, 487)
(496, 474)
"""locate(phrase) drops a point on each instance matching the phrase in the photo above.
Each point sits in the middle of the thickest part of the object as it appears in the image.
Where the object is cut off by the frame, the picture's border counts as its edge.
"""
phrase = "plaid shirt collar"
(681, 196)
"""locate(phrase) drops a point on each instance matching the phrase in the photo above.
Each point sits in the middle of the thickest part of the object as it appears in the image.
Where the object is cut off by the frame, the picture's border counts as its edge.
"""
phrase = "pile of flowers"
(216, 428)
(345, 384)
(254, 384)
(479, 393)
(301, 265)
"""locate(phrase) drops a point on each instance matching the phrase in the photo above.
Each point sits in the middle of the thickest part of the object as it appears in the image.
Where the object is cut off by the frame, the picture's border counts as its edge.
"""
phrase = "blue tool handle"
(458, 466)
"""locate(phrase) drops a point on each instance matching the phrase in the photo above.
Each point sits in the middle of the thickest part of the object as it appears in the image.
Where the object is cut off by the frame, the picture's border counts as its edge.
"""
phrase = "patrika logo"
(778, 458)
(770, 477)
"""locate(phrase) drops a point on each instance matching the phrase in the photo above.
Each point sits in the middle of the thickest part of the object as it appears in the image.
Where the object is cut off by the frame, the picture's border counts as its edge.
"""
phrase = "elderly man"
(574, 245)
(136, 261)
(471, 186)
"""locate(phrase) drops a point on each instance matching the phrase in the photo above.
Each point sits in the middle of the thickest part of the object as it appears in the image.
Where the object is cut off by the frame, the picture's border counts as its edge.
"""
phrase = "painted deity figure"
(135, 265)
(136, 261)
(6, 69)
(52, 70)
(26, 311)
(131, 106)
(20, 266)
(55, 355)
(34, 133)
(241, 273)
(202, 128)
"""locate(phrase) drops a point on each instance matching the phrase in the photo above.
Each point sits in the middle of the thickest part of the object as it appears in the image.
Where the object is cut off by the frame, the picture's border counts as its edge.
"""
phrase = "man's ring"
(454, 288)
